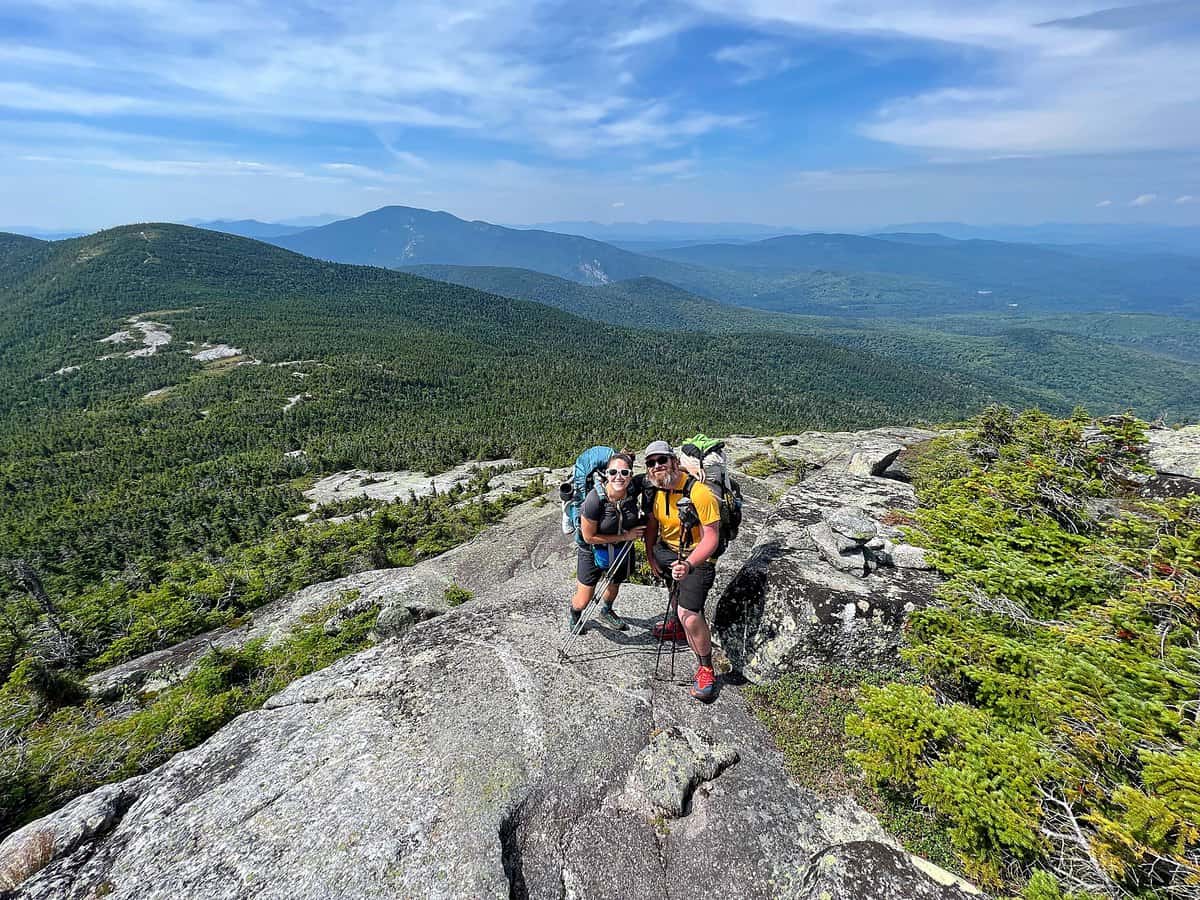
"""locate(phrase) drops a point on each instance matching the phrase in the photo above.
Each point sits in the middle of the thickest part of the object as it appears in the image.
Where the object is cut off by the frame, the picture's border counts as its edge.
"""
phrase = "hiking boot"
(705, 686)
(573, 617)
(672, 630)
(608, 617)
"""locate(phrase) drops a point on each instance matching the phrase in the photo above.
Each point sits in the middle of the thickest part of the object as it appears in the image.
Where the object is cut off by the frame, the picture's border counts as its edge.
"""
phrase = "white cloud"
(618, 204)
(410, 159)
(496, 69)
(676, 167)
(1104, 203)
(1143, 199)
(180, 168)
(43, 56)
(755, 59)
(1186, 198)
(1046, 79)
(19, 95)
(649, 33)
(352, 169)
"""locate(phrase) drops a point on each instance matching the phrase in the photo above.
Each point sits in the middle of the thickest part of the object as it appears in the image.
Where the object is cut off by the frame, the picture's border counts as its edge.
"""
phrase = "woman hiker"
(610, 522)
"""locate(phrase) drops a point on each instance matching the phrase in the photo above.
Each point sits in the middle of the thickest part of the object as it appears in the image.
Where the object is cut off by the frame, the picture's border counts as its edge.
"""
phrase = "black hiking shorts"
(590, 574)
(694, 588)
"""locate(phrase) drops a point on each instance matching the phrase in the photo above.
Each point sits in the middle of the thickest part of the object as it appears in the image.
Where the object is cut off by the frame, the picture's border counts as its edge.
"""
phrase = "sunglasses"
(654, 462)
(624, 473)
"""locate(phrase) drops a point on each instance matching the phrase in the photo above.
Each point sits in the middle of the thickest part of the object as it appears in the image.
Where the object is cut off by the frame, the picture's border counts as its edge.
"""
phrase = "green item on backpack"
(704, 444)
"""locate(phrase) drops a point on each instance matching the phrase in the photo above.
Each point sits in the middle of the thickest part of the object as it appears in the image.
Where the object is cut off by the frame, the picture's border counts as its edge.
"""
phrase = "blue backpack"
(585, 478)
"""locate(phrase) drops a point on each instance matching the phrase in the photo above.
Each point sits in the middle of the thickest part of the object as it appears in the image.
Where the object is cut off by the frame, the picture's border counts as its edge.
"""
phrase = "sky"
(806, 113)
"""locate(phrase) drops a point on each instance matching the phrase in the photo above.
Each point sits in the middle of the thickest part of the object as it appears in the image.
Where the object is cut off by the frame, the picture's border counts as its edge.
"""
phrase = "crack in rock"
(510, 851)
(668, 770)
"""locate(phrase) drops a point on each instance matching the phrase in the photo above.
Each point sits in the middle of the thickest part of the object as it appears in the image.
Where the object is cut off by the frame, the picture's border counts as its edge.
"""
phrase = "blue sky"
(821, 113)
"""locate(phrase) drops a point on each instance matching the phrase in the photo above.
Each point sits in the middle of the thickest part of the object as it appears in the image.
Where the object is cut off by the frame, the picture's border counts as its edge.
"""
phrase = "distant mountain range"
(658, 234)
(664, 232)
(894, 274)
(1047, 277)
(42, 234)
(1133, 238)
(904, 272)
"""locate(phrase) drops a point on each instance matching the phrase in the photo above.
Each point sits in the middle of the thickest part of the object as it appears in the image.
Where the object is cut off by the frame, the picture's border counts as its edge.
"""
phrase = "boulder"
(857, 870)
(906, 556)
(844, 554)
(833, 448)
(1175, 451)
(788, 608)
(852, 522)
(873, 460)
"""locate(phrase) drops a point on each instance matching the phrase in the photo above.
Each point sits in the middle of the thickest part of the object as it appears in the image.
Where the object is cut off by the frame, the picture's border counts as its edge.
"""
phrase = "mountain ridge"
(395, 236)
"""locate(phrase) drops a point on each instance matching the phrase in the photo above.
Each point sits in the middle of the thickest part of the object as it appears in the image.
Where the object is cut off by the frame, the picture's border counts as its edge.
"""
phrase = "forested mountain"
(643, 302)
(402, 236)
(1002, 273)
(20, 255)
(1107, 363)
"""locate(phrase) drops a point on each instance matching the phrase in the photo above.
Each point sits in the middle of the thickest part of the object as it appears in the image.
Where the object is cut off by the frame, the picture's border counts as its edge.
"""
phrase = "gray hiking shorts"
(694, 588)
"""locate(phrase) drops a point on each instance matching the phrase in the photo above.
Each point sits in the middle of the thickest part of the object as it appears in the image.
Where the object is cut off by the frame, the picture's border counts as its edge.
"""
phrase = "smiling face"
(662, 469)
(617, 472)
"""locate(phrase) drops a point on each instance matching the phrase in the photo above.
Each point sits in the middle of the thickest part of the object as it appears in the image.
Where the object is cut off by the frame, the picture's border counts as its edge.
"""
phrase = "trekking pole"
(662, 636)
(589, 610)
(684, 507)
(601, 586)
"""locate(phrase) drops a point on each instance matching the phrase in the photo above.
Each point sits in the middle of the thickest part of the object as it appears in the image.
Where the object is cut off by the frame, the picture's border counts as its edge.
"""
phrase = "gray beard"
(662, 482)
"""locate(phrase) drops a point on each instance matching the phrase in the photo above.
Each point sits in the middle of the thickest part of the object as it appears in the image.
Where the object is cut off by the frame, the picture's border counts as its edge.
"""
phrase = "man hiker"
(682, 555)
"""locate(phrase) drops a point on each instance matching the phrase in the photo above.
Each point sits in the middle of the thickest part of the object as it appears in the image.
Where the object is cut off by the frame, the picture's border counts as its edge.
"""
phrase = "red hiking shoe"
(671, 630)
(705, 686)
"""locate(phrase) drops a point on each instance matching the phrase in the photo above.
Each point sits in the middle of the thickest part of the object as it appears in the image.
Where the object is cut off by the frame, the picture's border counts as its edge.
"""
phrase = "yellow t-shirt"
(666, 511)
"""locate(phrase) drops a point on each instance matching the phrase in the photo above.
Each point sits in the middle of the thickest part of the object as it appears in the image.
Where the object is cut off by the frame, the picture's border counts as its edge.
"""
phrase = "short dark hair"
(622, 454)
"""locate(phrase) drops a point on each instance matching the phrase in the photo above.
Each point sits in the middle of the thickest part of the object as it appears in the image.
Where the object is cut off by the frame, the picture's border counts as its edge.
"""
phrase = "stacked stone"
(852, 542)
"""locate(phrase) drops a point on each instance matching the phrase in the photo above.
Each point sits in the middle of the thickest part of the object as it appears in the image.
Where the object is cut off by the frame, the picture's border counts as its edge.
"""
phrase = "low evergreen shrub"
(1055, 726)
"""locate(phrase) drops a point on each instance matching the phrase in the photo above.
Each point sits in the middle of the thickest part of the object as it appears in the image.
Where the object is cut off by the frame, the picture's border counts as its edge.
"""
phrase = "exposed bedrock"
(463, 760)
(827, 580)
